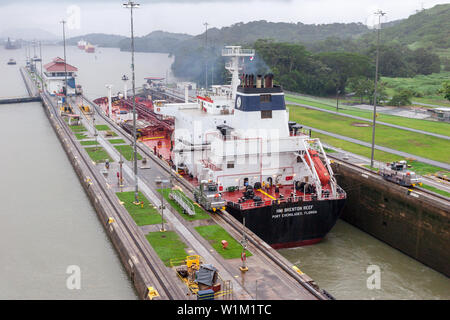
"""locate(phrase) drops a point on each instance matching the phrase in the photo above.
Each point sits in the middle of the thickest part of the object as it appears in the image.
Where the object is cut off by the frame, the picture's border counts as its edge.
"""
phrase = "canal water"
(48, 223)
(49, 232)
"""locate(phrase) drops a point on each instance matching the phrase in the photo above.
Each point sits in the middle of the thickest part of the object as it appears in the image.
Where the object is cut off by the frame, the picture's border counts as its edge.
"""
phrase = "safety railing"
(183, 202)
(303, 198)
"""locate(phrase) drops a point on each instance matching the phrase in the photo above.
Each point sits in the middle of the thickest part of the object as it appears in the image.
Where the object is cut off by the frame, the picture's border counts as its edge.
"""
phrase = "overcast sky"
(188, 16)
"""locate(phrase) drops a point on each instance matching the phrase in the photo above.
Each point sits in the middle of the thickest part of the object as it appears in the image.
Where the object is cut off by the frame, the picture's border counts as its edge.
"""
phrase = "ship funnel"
(268, 81)
(250, 81)
(259, 81)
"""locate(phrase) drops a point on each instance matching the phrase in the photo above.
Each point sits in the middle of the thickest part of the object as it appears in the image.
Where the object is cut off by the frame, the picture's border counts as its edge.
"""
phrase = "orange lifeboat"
(322, 172)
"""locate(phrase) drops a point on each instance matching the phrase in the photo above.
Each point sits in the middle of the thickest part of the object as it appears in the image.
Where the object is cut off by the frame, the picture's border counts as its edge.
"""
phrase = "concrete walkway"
(393, 151)
(368, 120)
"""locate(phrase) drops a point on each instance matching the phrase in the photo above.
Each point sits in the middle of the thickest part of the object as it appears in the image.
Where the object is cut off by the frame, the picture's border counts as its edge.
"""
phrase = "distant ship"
(82, 44)
(12, 44)
(89, 48)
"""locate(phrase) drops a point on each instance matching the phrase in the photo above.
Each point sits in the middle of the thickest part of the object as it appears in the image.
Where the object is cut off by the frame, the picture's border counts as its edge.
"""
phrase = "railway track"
(225, 217)
(167, 289)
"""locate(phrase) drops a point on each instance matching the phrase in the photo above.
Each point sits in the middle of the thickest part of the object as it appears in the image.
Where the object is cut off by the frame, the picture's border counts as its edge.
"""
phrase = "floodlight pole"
(42, 75)
(132, 5)
(380, 14)
(65, 61)
(206, 50)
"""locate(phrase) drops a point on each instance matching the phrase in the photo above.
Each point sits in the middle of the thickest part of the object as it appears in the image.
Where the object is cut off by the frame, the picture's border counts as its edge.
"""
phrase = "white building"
(55, 76)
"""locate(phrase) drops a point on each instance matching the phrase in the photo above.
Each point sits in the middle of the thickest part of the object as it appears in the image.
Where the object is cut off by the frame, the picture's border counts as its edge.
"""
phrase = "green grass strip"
(116, 141)
(98, 154)
(89, 143)
(102, 127)
(436, 190)
(411, 142)
(215, 234)
(127, 152)
(442, 128)
(80, 136)
(77, 128)
(167, 245)
(200, 214)
(141, 215)
(418, 167)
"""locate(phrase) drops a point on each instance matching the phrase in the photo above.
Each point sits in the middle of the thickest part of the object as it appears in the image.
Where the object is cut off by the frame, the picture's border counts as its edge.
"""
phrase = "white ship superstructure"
(240, 135)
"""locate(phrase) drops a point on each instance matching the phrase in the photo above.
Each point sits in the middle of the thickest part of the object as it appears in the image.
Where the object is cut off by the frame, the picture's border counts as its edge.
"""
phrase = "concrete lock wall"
(414, 224)
(135, 272)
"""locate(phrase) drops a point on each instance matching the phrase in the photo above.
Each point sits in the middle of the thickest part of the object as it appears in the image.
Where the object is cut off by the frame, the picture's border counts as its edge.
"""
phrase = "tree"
(344, 65)
(425, 62)
(361, 86)
(445, 90)
(402, 98)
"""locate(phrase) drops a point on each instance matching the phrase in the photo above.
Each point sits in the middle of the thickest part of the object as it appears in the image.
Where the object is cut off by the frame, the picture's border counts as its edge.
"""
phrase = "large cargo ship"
(89, 48)
(237, 147)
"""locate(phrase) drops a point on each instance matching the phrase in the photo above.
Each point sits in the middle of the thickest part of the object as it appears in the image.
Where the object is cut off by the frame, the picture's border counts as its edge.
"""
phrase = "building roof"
(58, 65)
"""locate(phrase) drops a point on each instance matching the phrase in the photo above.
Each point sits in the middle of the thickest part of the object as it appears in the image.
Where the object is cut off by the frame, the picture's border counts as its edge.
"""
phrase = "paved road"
(428, 105)
(367, 144)
(368, 120)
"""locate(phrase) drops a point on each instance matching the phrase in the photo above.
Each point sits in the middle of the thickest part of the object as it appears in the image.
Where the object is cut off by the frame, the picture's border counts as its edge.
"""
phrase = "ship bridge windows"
(266, 114)
(265, 98)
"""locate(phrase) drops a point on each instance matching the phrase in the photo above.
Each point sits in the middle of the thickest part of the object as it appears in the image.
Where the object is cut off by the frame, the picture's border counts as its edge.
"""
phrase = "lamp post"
(65, 61)
(42, 75)
(109, 87)
(125, 79)
(162, 207)
(337, 99)
(244, 267)
(132, 5)
(380, 14)
(121, 172)
(206, 55)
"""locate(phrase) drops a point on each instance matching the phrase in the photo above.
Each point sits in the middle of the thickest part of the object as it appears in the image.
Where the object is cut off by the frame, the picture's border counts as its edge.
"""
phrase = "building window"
(265, 98)
(230, 164)
(266, 114)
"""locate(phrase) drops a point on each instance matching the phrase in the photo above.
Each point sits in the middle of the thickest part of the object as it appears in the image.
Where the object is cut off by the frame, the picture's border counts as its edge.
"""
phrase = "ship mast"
(235, 52)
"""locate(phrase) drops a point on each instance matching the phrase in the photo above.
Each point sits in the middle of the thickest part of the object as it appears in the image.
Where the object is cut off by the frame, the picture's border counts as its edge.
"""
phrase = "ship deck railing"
(303, 198)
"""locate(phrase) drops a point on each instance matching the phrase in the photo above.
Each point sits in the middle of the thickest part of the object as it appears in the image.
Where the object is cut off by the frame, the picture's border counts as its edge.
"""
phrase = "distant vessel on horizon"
(89, 48)
(12, 44)
(82, 44)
